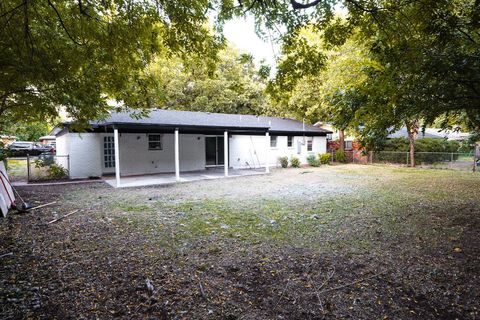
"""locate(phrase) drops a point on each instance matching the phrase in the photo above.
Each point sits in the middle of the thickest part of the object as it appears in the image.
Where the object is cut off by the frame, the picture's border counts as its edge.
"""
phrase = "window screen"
(273, 141)
(290, 141)
(155, 142)
(348, 145)
(309, 144)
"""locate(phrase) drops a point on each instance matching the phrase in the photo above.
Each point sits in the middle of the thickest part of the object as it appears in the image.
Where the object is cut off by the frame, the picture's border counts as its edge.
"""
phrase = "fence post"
(28, 168)
(371, 157)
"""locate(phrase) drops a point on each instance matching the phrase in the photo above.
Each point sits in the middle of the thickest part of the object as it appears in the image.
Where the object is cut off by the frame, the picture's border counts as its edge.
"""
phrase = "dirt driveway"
(351, 241)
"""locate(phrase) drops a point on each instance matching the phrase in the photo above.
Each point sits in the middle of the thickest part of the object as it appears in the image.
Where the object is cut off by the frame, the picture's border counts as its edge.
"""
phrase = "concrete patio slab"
(169, 178)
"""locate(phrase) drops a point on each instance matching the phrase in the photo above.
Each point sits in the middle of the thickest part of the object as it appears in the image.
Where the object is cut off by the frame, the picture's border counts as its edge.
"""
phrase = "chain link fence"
(435, 160)
(38, 168)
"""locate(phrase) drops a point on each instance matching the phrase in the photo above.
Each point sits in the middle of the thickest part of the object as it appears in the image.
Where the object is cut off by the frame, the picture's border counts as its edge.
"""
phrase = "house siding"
(135, 158)
(86, 155)
(251, 151)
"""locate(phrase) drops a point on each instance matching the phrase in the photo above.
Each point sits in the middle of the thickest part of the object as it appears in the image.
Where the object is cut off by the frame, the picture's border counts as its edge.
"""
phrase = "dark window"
(310, 144)
(290, 141)
(108, 152)
(348, 145)
(329, 136)
(273, 141)
(155, 142)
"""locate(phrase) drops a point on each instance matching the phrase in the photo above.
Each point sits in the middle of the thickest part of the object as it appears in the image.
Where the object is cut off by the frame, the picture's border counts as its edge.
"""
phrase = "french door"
(214, 149)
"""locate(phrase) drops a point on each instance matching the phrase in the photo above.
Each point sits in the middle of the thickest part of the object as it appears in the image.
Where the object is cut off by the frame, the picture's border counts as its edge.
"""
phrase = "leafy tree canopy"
(388, 64)
(230, 83)
(77, 54)
(28, 132)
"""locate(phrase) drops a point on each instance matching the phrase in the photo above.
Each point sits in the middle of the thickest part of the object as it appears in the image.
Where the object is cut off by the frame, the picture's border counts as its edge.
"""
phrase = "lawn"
(347, 241)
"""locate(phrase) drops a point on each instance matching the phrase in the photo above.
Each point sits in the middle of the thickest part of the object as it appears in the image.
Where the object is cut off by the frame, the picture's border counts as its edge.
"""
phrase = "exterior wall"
(62, 150)
(251, 151)
(85, 151)
(84, 155)
(135, 158)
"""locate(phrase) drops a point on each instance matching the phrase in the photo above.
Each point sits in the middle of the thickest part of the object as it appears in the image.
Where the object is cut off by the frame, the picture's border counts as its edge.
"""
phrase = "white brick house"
(180, 141)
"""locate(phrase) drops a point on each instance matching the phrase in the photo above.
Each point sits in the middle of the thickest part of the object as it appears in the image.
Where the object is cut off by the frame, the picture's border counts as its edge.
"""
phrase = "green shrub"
(313, 161)
(325, 158)
(295, 162)
(283, 161)
(54, 170)
(341, 156)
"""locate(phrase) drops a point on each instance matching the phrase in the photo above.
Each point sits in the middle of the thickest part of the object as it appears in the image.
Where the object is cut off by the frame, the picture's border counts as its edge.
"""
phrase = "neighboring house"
(434, 133)
(50, 139)
(175, 141)
(7, 139)
(47, 140)
(333, 138)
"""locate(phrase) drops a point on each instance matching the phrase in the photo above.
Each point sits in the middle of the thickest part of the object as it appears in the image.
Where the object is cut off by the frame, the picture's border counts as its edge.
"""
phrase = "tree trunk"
(412, 129)
(341, 139)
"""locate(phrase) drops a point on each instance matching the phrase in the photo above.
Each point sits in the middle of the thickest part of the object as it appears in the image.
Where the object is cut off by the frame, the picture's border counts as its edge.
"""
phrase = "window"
(290, 141)
(155, 142)
(348, 145)
(329, 136)
(108, 152)
(310, 144)
(273, 141)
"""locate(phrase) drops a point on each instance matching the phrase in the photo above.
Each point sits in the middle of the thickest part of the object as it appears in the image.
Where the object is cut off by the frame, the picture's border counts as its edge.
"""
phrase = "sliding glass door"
(214, 148)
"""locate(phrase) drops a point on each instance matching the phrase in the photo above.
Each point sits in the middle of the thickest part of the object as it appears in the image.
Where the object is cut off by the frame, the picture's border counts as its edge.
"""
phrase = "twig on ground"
(41, 206)
(6, 254)
(352, 283)
(281, 295)
(201, 289)
(320, 304)
(68, 214)
(317, 290)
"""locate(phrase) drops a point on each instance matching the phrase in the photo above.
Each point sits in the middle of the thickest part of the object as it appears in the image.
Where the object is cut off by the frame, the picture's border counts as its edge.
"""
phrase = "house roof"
(430, 133)
(403, 133)
(49, 137)
(167, 120)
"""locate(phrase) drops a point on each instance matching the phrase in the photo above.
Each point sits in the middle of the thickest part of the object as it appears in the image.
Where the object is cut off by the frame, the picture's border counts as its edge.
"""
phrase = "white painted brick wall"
(250, 151)
(86, 152)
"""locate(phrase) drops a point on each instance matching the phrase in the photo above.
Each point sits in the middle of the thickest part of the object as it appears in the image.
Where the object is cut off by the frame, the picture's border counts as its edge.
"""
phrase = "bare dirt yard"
(350, 241)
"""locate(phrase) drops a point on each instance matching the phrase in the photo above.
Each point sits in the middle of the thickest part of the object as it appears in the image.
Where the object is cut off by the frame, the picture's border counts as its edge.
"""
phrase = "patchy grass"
(336, 241)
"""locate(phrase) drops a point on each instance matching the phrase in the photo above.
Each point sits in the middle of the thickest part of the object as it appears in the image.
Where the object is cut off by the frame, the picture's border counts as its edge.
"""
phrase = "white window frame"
(108, 152)
(346, 143)
(290, 140)
(273, 142)
(309, 144)
(160, 141)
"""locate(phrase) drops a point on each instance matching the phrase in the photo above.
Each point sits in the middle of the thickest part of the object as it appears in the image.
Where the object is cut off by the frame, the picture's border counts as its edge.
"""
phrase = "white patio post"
(267, 140)
(225, 152)
(116, 144)
(177, 157)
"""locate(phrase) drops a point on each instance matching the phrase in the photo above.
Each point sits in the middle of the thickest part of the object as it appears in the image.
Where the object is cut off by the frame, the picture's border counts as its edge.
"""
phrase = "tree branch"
(297, 5)
(13, 9)
(62, 24)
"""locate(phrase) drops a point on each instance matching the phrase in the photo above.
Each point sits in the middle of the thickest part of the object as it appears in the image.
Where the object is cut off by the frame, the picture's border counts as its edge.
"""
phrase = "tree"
(230, 83)
(78, 54)
(28, 132)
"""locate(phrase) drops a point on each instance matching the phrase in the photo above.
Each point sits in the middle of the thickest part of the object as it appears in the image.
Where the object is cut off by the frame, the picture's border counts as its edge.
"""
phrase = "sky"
(241, 33)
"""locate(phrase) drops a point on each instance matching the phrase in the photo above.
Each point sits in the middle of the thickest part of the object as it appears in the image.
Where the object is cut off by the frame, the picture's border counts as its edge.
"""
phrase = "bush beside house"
(295, 162)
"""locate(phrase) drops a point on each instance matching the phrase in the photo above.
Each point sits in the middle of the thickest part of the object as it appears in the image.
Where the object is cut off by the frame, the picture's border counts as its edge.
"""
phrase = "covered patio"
(170, 178)
(189, 133)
